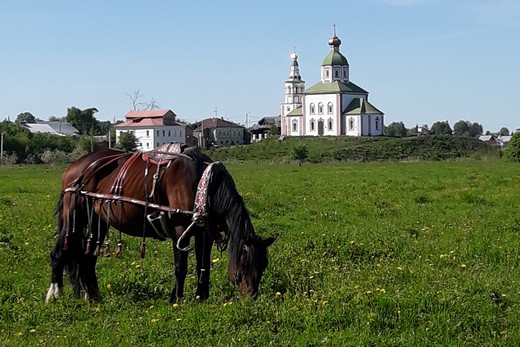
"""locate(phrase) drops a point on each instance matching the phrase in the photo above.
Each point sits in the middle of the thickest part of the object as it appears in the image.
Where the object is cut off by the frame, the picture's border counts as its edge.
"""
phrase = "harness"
(162, 157)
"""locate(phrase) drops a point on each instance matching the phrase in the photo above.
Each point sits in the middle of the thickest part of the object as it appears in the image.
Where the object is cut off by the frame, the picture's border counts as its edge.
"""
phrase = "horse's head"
(247, 272)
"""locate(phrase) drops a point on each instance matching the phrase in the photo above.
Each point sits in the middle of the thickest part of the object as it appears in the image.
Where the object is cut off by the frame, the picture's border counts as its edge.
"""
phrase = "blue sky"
(421, 60)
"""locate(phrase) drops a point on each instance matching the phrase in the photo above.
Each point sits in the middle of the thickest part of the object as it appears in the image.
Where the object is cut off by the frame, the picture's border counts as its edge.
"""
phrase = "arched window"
(351, 123)
(336, 73)
(327, 73)
(294, 125)
(147, 133)
(312, 111)
(320, 108)
(312, 125)
(377, 123)
(329, 108)
(329, 123)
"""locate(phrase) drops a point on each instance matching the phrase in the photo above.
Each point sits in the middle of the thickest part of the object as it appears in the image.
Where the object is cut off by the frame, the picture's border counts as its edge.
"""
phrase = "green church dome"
(335, 58)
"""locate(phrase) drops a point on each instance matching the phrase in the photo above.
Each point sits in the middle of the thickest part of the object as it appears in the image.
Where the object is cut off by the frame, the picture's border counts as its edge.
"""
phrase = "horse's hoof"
(53, 292)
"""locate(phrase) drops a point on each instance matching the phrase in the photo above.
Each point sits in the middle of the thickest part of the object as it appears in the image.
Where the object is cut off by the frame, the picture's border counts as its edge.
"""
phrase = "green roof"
(361, 106)
(335, 58)
(334, 87)
(296, 112)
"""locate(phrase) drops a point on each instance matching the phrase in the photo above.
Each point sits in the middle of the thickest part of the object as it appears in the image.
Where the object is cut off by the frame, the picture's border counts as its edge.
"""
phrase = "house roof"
(335, 87)
(148, 114)
(486, 138)
(361, 106)
(296, 112)
(56, 128)
(149, 118)
(212, 123)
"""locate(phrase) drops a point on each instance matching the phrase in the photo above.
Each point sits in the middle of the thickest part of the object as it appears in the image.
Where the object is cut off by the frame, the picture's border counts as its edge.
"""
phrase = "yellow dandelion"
(154, 320)
(19, 333)
(109, 286)
(178, 319)
(175, 305)
(399, 268)
(278, 293)
(382, 290)
(216, 260)
(325, 302)
(504, 295)
(463, 266)
(369, 292)
(32, 331)
(98, 309)
(197, 297)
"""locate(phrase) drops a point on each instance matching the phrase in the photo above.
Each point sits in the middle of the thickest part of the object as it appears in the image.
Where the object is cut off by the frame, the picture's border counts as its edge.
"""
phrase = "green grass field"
(370, 254)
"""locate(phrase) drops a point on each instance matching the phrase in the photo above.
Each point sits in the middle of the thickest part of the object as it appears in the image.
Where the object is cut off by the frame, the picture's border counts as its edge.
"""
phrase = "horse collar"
(201, 197)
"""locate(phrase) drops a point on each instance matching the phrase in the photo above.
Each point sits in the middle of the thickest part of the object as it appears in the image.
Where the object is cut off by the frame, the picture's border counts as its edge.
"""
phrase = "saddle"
(164, 153)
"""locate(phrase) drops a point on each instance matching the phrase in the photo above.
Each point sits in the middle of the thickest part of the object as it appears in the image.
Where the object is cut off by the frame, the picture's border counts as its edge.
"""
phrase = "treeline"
(20, 146)
(460, 128)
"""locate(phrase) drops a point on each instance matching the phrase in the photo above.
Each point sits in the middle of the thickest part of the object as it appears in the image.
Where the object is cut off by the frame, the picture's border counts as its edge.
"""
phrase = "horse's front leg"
(180, 266)
(203, 245)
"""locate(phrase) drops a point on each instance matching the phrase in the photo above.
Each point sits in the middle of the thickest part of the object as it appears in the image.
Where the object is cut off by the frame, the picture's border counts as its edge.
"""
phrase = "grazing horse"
(163, 194)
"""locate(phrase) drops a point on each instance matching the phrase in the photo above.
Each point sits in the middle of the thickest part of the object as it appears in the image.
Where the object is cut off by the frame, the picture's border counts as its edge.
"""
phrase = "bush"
(512, 151)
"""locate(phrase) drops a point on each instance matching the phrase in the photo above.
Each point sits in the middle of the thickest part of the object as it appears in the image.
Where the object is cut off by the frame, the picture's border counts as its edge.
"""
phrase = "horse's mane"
(227, 202)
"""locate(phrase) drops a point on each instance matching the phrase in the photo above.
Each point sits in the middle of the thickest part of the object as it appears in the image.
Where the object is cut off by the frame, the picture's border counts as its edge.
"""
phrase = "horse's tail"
(69, 241)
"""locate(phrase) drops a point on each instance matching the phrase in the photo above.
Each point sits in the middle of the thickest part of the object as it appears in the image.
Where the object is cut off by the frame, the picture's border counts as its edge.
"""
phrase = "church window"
(147, 133)
(312, 124)
(336, 73)
(288, 108)
(345, 73)
(163, 133)
(326, 73)
(312, 111)
(329, 108)
(157, 144)
(377, 123)
(157, 132)
(169, 133)
(320, 108)
(330, 123)
(295, 125)
(351, 123)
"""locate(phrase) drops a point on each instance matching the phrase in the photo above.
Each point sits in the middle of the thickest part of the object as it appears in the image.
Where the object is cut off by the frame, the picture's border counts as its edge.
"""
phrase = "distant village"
(335, 106)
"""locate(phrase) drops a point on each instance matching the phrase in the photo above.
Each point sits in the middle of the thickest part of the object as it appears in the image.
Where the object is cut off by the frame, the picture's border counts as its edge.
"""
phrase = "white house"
(153, 128)
(335, 106)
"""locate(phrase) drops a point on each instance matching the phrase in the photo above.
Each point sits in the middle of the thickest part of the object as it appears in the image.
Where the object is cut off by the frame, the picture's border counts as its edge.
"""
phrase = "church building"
(335, 106)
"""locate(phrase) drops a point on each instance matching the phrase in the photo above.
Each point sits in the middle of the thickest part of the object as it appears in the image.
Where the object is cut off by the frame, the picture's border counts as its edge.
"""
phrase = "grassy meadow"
(369, 254)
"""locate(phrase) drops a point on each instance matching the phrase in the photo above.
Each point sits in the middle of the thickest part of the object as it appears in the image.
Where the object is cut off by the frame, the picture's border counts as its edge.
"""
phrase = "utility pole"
(2, 149)
(247, 119)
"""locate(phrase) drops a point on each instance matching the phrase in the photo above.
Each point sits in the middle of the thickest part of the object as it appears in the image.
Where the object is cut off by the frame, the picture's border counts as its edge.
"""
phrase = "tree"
(25, 117)
(396, 129)
(83, 120)
(441, 128)
(512, 151)
(300, 153)
(139, 105)
(504, 131)
(127, 141)
(475, 129)
(461, 128)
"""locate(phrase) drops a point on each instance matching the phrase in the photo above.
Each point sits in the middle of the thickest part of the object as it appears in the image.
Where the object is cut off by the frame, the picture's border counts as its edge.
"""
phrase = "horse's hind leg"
(87, 267)
(57, 266)
(203, 245)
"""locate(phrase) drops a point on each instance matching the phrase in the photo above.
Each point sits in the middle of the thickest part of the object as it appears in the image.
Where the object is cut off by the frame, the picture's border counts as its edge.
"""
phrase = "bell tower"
(293, 87)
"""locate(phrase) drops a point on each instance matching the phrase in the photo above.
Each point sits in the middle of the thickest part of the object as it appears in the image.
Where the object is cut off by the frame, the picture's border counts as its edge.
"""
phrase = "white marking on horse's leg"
(53, 292)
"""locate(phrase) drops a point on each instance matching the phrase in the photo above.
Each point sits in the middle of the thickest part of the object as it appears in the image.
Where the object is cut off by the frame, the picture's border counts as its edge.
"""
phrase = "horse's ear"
(269, 241)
